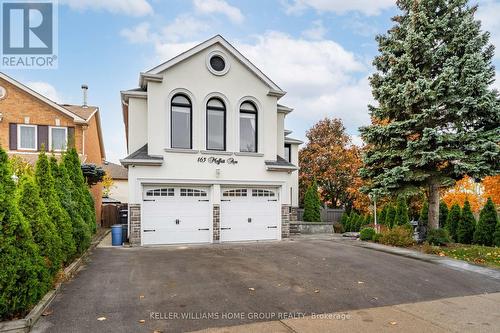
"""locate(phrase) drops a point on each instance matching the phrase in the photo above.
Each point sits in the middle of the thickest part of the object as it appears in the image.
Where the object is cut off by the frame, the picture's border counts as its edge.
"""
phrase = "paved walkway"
(479, 313)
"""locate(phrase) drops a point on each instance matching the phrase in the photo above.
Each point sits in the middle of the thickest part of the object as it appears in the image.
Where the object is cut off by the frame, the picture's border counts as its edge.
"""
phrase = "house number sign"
(217, 160)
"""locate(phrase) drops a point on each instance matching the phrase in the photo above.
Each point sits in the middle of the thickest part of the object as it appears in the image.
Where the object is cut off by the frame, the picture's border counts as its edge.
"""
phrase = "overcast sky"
(319, 51)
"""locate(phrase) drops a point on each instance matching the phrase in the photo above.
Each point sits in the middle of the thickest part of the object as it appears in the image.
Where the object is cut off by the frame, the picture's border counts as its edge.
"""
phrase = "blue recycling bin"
(116, 235)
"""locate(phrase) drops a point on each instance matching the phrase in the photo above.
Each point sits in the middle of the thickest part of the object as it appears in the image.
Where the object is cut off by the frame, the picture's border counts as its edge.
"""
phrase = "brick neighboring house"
(30, 121)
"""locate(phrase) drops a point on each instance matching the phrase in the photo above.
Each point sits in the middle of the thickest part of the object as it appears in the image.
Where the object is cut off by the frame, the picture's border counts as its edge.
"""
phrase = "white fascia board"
(133, 94)
(293, 141)
(126, 162)
(144, 78)
(281, 168)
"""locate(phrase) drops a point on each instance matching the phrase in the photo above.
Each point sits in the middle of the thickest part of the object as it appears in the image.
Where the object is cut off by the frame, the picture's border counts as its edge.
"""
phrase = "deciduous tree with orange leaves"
(333, 161)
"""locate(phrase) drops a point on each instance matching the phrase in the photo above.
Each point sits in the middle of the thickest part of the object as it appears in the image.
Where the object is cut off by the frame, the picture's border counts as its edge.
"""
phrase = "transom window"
(262, 193)
(160, 192)
(241, 192)
(191, 192)
(27, 137)
(58, 138)
(248, 127)
(181, 122)
(216, 125)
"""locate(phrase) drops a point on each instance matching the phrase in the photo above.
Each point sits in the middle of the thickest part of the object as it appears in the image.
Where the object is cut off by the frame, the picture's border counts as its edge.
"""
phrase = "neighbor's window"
(181, 122)
(216, 125)
(58, 138)
(27, 137)
(288, 152)
(248, 127)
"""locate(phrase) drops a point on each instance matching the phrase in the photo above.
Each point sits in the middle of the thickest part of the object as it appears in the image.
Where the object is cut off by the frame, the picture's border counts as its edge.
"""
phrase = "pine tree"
(437, 115)
(443, 214)
(452, 221)
(424, 214)
(43, 229)
(488, 220)
(389, 217)
(466, 225)
(68, 195)
(24, 278)
(496, 235)
(312, 204)
(382, 215)
(401, 217)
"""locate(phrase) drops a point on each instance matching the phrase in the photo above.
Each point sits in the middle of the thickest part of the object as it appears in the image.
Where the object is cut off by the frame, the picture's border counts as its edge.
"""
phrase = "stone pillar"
(285, 221)
(134, 217)
(294, 214)
(216, 224)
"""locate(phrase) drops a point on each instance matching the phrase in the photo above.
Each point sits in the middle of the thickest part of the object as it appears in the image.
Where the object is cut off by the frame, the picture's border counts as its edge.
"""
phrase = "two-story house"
(30, 122)
(210, 160)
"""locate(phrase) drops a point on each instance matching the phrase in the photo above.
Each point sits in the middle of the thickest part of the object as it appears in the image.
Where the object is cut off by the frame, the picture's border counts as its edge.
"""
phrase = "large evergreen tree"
(466, 225)
(24, 278)
(488, 221)
(437, 115)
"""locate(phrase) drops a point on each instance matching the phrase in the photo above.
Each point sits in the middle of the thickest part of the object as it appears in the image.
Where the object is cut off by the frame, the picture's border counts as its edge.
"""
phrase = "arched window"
(216, 124)
(248, 127)
(181, 116)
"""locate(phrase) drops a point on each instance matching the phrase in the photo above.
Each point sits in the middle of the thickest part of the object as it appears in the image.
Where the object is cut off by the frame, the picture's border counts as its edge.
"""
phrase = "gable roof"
(141, 157)
(115, 171)
(76, 118)
(152, 74)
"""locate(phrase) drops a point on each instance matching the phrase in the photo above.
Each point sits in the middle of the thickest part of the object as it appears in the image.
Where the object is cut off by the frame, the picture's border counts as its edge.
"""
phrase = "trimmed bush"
(381, 216)
(390, 215)
(366, 234)
(312, 204)
(452, 221)
(496, 236)
(344, 220)
(424, 214)
(376, 238)
(397, 236)
(401, 217)
(466, 225)
(44, 232)
(488, 220)
(443, 214)
(438, 237)
(24, 278)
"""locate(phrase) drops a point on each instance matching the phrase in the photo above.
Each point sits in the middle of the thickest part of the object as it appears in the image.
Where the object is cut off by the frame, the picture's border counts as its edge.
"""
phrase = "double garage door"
(180, 215)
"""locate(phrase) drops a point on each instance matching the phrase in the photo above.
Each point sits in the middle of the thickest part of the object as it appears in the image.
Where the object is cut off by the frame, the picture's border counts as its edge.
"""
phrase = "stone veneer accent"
(285, 221)
(134, 213)
(216, 223)
(293, 214)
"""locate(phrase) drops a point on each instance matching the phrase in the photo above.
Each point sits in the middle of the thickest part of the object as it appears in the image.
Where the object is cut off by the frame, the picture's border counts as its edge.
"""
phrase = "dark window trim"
(215, 108)
(190, 105)
(289, 146)
(256, 113)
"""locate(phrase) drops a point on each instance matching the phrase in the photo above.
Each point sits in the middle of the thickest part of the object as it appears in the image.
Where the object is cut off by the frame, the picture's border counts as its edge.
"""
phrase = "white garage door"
(248, 214)
(176, 215)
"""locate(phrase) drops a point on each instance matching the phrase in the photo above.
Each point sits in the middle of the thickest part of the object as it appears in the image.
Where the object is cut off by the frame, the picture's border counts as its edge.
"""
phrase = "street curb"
(456, 264)
(26, 324)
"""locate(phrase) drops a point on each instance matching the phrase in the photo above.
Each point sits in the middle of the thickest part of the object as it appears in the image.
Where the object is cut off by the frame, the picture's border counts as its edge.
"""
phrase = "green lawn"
(481, 255)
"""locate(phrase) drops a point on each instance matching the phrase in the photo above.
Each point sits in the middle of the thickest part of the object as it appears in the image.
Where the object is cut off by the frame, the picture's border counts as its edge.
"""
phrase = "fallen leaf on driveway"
(156, 331)
(47, 312)
(251, 289)
(441, 254)
(316, 291)
(393, 323)
(360, 282)
(141, 297)
(101, 318)
(142, 321)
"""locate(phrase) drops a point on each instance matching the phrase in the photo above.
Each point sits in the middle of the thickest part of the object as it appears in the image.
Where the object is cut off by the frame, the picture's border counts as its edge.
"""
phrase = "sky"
(319, 51)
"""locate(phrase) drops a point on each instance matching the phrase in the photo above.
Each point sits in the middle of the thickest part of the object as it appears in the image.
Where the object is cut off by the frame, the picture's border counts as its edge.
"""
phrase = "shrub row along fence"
(47, 219)
(329, 215)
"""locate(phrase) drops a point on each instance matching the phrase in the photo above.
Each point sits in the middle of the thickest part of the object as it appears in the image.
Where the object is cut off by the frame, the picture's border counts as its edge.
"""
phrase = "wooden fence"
(327, 214)
(111, 214)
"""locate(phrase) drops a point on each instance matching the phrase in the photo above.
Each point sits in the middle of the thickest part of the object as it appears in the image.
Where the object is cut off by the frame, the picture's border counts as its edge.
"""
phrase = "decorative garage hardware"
(262, 193)
(241, 192)
(273, 200)
(225, 228)
(272, 227)
(177, 221)
(249, 220)
(160, 192)
(149, 200)
(217, 160)
(206, 200)
(225, 200)
(204, 229)
(149, 230)
(191, 192)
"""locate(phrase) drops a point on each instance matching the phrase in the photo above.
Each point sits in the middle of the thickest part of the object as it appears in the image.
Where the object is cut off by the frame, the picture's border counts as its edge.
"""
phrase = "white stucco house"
(209, 157)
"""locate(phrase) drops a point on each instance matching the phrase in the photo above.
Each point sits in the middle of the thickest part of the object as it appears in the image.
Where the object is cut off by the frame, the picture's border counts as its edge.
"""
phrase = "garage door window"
(190, 192)
(235, 193)
(160, 192)
(262, 193)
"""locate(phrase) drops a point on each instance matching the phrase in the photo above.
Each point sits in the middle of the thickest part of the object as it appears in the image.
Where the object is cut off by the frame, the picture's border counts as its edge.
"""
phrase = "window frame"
(19, 141)
(256, 113)
(50, 138)
(289, 146)
(182, 105)
(214, 108)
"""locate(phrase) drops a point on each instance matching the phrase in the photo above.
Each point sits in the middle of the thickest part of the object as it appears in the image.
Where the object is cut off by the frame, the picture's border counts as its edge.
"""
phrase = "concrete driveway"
(177, 289)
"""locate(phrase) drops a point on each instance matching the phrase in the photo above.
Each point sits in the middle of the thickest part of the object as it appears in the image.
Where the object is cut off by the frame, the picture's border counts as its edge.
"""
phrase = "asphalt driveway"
(177, 289)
